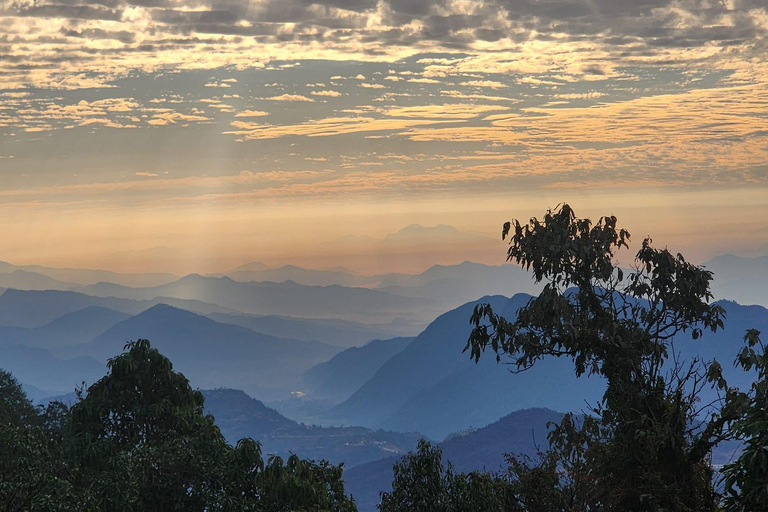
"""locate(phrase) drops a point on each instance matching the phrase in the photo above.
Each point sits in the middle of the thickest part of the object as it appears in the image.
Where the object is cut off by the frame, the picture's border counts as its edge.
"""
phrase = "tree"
(746, 480)
(649, 446)
(15, 408)
(561, 478)
(422, 484)
(141, 441)
(33, 474)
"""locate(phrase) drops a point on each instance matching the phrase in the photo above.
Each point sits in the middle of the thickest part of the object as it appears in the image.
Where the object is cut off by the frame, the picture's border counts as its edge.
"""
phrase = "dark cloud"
(615, 22)
(593, 69)
(94, 33)
(175, 17)
(82, 12)
(350, 5)
(623, 31)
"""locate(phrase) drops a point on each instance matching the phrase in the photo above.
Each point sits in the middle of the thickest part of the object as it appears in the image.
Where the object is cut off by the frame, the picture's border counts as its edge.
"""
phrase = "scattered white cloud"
(327, 93)
(251, 113)
(290, 97)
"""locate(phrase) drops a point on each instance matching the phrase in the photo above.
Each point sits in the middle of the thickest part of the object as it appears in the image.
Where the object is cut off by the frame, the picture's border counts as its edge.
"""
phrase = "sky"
(188, 135)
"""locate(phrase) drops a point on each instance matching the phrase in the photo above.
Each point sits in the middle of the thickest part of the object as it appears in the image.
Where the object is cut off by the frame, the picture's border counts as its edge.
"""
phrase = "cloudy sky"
(227, 131)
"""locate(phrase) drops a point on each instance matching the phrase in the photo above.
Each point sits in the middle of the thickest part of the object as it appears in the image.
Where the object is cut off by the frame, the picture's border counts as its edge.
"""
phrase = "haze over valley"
(335, 365)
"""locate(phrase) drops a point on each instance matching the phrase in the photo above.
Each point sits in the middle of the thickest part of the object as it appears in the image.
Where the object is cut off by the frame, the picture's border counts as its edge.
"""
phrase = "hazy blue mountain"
(339, 333)
(37, 367)
(729, 267)
(522, 432)
(744, 280)
(37, 308)
(303, 276)
(34, 393)
(14, 335)
(253, 266)
(433, 388)
(749, 290)
(90, 276)
(282, 299)
(453, 285)
(213, 354)
(24, 280)
(434, 354)
(70, 329)
(33, 308)
(466, 271)
(483, 449)
(338, 378)
(80, 326)
(239, 415)
(725, 344)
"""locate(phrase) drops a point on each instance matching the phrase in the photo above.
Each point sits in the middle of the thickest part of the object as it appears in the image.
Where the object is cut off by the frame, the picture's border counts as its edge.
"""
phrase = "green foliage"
(746, 480)
(139, 440)
(15, 407)
(33, 475)
(143, 439)
(422, 484)
(644, 450)
(562, 479)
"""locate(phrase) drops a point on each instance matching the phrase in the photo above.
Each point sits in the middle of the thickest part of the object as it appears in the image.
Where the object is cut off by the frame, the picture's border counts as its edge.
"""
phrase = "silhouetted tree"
(648, 446)
(746, 480)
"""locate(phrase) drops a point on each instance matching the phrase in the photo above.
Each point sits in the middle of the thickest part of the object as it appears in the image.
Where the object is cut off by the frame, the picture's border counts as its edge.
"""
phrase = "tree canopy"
(138, 439)
(646, 445)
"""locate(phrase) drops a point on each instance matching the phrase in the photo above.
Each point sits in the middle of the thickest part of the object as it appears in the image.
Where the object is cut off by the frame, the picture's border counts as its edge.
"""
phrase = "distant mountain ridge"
(91, 276)
(302, 276)
(287, 298)
(213, 354)
(37, 367)
(80, 326)
(338, 378)
(239, 415)
(36, 308)
(340, 333)
(434, 388)
(744, 280)
(26, 280)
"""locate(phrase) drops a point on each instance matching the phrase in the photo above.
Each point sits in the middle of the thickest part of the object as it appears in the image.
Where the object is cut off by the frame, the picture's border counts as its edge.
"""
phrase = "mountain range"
(744, 280)
(80, 276)
(281, 299)
(32, 308)
(376, 360)
(211, 353)
(69, 329)
(239, 415)
(340, 333)
(337, 379)
(434, 388)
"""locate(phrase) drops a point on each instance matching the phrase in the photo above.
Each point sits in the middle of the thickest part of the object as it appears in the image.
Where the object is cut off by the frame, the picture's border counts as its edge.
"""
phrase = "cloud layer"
(78, 43)
(230, 108)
